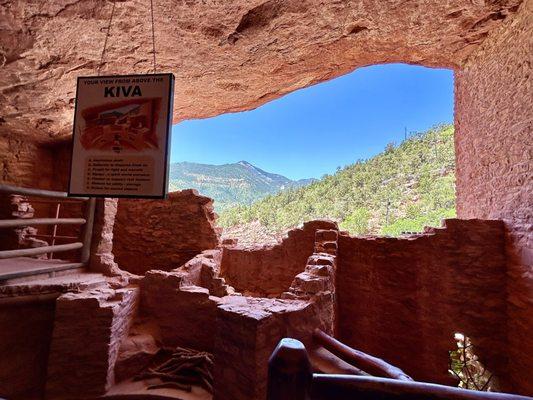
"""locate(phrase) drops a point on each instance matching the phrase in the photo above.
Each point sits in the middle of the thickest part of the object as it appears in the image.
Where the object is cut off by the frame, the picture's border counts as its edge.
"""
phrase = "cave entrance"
(372, 150)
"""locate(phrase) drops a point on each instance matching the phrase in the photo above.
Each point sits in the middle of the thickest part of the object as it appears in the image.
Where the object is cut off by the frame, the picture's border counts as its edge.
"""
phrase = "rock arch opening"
(372, 150)
(473, 272)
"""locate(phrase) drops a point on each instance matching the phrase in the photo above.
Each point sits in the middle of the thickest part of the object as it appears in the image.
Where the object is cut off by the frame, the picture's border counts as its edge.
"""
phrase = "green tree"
(404, 188)
(357, 222)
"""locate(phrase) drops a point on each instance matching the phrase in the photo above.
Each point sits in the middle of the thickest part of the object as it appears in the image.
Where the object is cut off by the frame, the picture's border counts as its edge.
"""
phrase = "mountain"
(401, 189)
(239, 183)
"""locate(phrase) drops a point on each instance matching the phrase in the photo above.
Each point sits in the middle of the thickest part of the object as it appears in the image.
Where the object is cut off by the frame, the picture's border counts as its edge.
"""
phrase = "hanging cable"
(108, 30)
(153, 32)
(106, 38)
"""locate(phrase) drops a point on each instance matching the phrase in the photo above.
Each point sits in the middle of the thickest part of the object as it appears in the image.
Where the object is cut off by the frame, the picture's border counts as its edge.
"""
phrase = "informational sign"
(121, 138)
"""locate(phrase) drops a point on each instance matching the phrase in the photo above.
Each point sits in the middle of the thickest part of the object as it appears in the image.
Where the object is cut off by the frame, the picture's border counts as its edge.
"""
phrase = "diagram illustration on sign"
(128, 125)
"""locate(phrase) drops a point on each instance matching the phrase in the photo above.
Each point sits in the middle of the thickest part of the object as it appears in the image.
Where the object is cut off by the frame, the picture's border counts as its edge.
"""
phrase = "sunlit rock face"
(163, 234)
(226, 55)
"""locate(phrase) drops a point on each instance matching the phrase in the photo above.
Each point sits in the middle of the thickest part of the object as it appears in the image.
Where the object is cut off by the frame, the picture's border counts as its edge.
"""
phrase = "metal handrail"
(35, 251)
(87, 223)
(13, 223)
(11, 189)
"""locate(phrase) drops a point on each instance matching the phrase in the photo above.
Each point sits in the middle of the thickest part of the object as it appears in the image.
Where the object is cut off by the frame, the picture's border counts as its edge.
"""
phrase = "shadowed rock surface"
(226, 55)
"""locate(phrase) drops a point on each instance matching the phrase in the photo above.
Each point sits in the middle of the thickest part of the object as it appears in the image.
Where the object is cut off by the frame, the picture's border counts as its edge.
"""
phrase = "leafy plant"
(464, 365)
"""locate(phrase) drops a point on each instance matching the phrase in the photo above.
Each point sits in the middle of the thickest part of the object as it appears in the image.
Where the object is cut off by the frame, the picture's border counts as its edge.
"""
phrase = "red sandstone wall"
(494, 150)
(24, 163)
(163, 234)
(185, 316)
(25, 335)
(403, 299)
(28, 164)
(61, 154)
(269, 270)
(88, 329)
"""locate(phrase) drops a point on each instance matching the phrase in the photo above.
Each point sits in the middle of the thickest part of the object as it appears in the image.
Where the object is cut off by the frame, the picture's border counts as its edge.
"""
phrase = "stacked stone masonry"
(269, 270)
(243, 330)
(402, 299)
(24, 344)
(163, 234)
(494, 151)
(88, 330)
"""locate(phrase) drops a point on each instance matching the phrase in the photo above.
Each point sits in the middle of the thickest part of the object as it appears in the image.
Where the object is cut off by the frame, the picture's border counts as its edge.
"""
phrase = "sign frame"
(166, 141)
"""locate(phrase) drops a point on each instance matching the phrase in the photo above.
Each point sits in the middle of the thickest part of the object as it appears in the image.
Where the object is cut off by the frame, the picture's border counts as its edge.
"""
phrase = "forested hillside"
(404, 188)
(233, 184)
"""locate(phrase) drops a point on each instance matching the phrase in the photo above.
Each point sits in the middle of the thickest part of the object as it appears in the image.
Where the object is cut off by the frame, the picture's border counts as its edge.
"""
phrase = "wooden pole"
(372, 365)
(289, 371)
(54, 232)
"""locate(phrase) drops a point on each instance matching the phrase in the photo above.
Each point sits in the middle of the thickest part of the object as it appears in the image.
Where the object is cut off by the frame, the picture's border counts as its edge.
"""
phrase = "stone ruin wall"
(47, 338)
(169, 308)
(402, 299)
(163, 234)
(25, 347)
(494, 152)
(93, 341)
(382, 307)
(194, 306)
(30, 164)
(269, 270)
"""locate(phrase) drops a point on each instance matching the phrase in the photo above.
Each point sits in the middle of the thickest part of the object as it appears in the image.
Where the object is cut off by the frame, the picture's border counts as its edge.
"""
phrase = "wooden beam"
(13, 223)
(35, 251)
(289, 371)
(372, 365)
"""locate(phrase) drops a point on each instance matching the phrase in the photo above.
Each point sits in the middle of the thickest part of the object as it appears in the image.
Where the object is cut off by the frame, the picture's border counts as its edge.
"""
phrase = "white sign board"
(121, 138)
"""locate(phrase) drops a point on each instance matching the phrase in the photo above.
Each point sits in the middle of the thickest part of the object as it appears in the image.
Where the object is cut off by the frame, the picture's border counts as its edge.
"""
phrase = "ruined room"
(132, 282)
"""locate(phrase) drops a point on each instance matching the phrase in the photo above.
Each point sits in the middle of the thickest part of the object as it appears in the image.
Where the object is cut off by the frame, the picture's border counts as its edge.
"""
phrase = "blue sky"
(310, 132)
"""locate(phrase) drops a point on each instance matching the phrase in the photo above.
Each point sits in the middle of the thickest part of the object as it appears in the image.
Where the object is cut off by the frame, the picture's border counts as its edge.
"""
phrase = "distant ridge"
(239, 183)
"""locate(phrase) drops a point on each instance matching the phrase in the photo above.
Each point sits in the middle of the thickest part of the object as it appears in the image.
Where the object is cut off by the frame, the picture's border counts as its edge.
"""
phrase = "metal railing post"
(88, 231)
